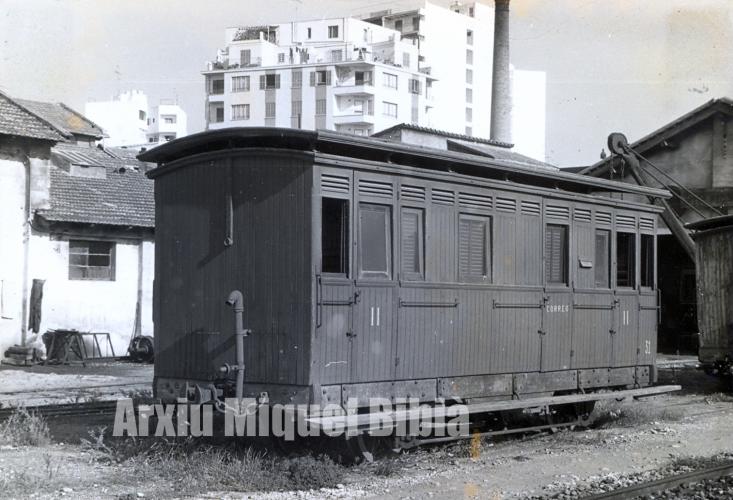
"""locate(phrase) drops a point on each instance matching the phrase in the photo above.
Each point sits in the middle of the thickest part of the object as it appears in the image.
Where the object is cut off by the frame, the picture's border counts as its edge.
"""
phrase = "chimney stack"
(501, 89)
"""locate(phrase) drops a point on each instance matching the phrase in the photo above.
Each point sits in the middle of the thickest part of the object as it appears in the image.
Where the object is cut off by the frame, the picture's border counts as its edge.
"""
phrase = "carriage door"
(335, 294)
(625, 338)
(557, 309)
(372, 355)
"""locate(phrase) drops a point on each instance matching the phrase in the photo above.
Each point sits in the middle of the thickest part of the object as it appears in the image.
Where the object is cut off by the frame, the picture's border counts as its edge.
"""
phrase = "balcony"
(357, 119)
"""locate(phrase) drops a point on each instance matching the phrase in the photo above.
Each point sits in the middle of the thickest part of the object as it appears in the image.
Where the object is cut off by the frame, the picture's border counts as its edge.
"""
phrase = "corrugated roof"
(64, 119)
(671, 129)
(123, 198)
(17, 121)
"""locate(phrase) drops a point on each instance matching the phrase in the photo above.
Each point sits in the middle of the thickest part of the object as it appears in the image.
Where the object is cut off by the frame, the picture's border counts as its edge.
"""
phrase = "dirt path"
(629, 437)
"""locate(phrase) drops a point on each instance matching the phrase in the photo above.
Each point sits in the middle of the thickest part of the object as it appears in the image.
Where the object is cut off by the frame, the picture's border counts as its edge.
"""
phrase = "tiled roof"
(124, 197)
(17, 121)
(62, 118)
(498, 153)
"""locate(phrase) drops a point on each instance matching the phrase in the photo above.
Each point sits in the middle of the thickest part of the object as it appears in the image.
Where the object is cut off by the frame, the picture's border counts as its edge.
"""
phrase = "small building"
(124, 118)
(83, 233)
(166, 121)
(440, 139)
(691, 152)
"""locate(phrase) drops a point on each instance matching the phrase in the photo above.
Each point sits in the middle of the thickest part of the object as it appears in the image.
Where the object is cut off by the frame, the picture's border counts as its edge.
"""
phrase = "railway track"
(661, 485)
(96, 408)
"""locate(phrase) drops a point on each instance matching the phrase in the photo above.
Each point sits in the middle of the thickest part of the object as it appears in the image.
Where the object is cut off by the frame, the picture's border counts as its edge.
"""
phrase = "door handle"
(351, 335)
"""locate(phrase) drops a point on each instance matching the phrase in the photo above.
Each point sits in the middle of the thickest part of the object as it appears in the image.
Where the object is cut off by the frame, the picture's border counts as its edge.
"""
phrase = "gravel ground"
(704, 490)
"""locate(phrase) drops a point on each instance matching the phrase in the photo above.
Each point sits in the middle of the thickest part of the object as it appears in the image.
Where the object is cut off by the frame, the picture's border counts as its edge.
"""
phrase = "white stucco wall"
(12, 204)
(89, 305)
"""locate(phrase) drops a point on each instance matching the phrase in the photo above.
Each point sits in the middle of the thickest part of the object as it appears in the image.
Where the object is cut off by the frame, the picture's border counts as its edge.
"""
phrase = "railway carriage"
(370, 268)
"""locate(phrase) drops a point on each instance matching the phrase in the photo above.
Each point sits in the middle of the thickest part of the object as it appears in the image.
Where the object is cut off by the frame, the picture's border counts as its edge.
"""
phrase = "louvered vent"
(556, 212)
(530, 208)
(479, 201)
(334, 184)
(626, 221)
(375, 188)
(506, 205)
(443, 197)
(603, 218)
(414, 193)
(582, 214)
(645, 223)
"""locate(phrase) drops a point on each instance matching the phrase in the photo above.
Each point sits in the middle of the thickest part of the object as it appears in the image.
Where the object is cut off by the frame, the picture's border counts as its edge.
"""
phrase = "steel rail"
(64, 410)
(664, 483)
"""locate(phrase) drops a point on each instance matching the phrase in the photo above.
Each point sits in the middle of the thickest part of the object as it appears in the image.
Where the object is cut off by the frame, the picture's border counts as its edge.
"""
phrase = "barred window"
(320, 106)
(270, 110)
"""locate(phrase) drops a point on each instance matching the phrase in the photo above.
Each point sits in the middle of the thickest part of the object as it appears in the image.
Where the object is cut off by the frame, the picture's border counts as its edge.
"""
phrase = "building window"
(141, 114)
(296, 108)
(389, 80)
(469, 114)
(469, 56)
(414, 115)
(240, 83)
(415, 86)
(474, 242)
(169, 119)
(269, 81)
(469, 96)
(398, 25)
(647, 260)
(337, 55)
(91, 260)
(169, 137)
(375, 240)
(309, 33)
(556, 254)
(321, 77)
(245, 57)
(297, 79)
(626, 260)
(151, 139)
(469, 131)
(270, 110)
(416, 23)
(320, 106)
(219, 114)
(469, 37)
(469, 76)
(335, 236)
(333, 32)
(413, 244)
(240, 112)
(358, 106)
(217, 86)
(362, 77)
(602, 264)
(281, 57)
(406, 59)
(389, 109)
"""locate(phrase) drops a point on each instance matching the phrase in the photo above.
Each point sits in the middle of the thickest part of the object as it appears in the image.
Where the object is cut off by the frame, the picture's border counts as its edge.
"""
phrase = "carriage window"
(473, 247)
(335, 236)
(647, 260)
(375, 240)
(626, 260)
(602, 263)
(556, 254)
(413, 243)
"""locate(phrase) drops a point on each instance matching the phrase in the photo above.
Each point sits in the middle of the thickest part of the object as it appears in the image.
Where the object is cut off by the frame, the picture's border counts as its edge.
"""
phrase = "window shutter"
(556, 251)
(328, 77)
(472, 258)
(277, 81)
(262, 82)
(313, 78)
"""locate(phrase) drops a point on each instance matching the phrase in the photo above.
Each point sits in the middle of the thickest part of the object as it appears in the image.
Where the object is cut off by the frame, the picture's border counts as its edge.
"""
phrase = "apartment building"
(341, 74)
(166, 121)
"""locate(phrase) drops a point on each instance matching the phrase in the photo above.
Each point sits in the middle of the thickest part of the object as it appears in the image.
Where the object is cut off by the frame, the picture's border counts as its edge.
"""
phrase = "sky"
(612, 65)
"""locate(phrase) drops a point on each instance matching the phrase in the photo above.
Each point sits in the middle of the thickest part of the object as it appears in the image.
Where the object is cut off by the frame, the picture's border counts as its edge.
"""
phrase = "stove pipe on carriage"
(501, 88)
